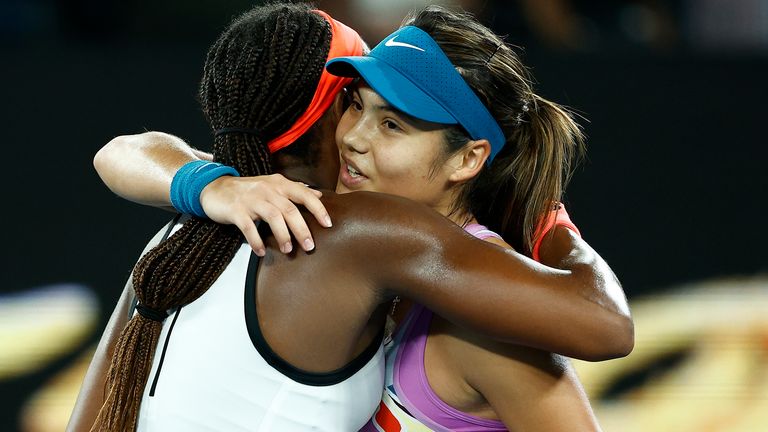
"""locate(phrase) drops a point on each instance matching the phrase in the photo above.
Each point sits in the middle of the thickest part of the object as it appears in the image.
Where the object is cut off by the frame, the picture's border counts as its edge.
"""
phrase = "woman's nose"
(356, 139)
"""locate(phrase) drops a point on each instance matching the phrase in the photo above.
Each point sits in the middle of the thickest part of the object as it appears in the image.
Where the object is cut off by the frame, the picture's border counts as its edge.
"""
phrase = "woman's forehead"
(374, 101)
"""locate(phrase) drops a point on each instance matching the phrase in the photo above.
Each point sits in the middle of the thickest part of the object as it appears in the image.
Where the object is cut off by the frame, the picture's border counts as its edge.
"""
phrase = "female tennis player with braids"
(293, 344)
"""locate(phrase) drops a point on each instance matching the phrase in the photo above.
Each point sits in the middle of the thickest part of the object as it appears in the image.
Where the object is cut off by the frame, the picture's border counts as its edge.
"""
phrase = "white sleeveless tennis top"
(213, 371)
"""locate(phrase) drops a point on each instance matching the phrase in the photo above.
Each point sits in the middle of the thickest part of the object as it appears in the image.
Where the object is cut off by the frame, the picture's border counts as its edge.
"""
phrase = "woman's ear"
(468, 162)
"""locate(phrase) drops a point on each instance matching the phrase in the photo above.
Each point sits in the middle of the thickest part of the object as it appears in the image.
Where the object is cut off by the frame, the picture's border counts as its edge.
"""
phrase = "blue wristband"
(190, 180)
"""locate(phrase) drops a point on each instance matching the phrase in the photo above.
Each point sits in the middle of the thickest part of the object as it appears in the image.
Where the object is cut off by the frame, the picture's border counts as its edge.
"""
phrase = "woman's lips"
(349, 175)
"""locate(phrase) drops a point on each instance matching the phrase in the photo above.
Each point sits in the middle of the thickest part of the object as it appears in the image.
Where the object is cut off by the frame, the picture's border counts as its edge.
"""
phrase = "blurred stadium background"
(671, 194)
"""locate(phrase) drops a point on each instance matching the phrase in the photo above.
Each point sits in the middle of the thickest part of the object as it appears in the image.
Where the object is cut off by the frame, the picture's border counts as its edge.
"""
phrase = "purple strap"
(410, 377)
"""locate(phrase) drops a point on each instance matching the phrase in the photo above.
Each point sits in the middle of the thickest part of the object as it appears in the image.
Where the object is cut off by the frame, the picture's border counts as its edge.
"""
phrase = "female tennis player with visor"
(416, 127)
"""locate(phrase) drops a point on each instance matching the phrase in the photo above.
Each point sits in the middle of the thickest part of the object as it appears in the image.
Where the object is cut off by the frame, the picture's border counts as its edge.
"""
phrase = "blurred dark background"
(671, 94)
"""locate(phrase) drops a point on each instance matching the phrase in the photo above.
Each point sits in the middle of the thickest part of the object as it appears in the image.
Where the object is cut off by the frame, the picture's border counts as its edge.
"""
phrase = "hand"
(242, 201)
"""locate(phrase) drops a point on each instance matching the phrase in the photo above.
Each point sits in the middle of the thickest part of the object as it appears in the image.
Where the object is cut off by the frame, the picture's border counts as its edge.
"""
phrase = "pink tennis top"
(408, 402)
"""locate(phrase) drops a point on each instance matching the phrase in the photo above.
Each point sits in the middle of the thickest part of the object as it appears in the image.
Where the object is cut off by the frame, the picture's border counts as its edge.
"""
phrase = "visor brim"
(392, 86)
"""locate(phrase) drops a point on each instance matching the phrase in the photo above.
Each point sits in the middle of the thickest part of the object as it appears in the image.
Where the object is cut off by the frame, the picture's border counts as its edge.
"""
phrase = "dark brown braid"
(260, 74)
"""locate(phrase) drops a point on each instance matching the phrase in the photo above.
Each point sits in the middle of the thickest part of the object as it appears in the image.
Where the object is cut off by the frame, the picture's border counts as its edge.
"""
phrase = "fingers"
(248, 227)
(272, 199)
(286, 197)
(273, 216)
(295, 222)
(316, 192)
(310, 199)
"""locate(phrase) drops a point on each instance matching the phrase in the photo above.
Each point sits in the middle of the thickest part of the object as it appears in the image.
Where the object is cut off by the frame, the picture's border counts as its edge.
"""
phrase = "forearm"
(528, 304)
(565, 250)
(407, 249)
(140, 167)
(512, 298)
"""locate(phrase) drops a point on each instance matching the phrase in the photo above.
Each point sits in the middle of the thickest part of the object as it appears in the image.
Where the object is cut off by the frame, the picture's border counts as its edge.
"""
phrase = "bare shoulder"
(376, 208)
(377, 218)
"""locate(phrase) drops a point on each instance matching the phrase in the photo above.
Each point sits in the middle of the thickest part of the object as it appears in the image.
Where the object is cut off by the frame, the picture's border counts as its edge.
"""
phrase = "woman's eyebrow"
(388, 107)
(405, 117)
(379, 107)
(384, 106)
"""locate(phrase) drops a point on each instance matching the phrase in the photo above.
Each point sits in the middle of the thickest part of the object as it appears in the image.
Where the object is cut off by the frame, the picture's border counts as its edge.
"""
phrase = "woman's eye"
(351, 102)
(355, 105)
(389, 124)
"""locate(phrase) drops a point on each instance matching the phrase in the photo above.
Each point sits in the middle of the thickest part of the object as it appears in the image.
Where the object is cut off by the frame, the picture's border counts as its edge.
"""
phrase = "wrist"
(190, 180)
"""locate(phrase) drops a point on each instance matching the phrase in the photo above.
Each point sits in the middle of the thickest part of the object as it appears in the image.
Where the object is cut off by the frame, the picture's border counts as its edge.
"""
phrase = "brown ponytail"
(260, 74)
(530, 174)
(543, 141)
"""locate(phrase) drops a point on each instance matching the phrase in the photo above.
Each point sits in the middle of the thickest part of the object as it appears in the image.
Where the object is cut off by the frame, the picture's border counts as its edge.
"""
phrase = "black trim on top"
(172, 224)
(162, 356)
(399, 405)
(301, 376)
(135, 301)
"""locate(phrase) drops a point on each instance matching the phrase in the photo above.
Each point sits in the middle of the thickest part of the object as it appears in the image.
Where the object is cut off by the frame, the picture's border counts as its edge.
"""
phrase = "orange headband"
(344, 42)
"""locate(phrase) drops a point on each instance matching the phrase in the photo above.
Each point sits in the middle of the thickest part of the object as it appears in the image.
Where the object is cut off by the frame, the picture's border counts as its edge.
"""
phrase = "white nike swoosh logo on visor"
(392, 43)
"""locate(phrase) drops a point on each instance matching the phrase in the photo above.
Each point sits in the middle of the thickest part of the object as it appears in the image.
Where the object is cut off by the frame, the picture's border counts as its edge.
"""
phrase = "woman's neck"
(461, 218)
(446, 206)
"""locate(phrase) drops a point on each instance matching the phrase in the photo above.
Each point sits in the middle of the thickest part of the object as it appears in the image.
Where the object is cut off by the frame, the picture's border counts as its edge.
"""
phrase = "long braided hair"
(260, 74)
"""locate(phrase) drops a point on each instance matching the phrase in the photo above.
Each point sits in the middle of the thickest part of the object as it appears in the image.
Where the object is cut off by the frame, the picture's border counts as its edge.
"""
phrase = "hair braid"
(260, 74)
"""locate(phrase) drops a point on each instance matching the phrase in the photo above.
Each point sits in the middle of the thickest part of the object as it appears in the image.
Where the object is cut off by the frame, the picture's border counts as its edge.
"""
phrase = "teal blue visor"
(410, 71)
